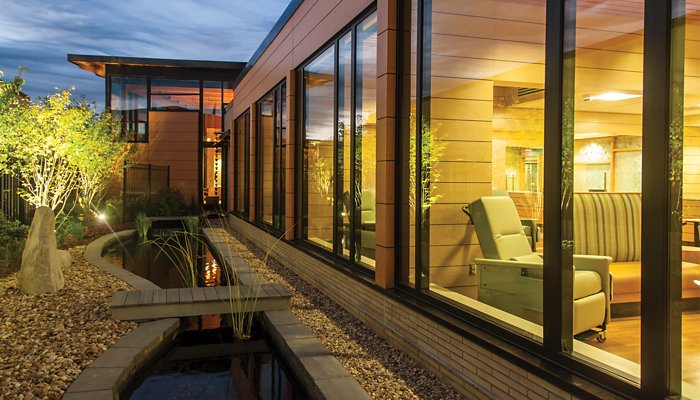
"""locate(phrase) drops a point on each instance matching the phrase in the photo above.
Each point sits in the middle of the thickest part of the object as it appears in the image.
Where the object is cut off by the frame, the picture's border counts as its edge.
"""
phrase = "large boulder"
(41, 269)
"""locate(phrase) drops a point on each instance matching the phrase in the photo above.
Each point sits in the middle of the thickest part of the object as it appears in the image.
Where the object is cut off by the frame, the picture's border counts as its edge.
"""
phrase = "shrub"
(69, 232)
(164, 203)
(143, 224)
(12, 236)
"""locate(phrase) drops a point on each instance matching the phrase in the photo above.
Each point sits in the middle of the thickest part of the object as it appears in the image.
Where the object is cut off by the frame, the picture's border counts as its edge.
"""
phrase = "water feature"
(207, 364)
(204, 361)
(163, 266)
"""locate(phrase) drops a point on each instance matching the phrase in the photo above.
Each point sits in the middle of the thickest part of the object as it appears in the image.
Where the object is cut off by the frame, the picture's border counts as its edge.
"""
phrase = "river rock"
(41, 269)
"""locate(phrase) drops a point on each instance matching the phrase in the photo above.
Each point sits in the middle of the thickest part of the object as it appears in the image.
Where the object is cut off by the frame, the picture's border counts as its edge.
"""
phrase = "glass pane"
(365, 140)
(212, 176)
(606, 109)
(212, 111)
(128, 102)
(172, 86)
(344, 142)
(241, 163)
(319, 149)
(280, 149)
(479, 142)
(690, 267)
(174, 102)
(266, 132)
(228, 92)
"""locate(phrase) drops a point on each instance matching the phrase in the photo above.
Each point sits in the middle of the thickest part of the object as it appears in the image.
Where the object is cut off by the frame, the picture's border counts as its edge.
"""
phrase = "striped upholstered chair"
(510, 274)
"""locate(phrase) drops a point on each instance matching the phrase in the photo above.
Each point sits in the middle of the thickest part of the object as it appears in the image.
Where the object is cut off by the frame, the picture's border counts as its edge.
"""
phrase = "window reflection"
(690, 267)
(319, 149)
(128, 102)
(476, 137)
(242, 146)
(365, 140)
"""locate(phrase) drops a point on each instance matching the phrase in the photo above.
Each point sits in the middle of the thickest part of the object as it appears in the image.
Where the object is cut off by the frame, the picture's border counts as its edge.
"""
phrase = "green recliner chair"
(510, 274)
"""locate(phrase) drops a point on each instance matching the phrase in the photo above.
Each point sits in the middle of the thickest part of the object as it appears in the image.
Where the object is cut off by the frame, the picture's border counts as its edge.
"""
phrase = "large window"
(128, 102)
(607, 285)
(473, 113)
(174, 95)
(339, 89)
(272, 137)
(241, 163)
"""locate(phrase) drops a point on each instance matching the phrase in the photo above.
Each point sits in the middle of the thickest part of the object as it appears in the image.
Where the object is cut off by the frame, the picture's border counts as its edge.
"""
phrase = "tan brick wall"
(470, 369)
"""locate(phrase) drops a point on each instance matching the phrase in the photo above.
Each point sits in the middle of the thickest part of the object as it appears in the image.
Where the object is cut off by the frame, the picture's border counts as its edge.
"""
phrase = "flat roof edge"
(96, 63)
(281, 22)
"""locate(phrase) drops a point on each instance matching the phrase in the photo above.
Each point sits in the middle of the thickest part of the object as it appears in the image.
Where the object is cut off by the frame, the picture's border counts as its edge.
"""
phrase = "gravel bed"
(46, 340)
(382, 369)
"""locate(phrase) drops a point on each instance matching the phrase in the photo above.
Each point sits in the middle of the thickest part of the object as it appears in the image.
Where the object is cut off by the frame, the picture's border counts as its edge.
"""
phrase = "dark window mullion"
(559, 81)
(353, 126)
(423, 120)
(662, 136)
(337, 161)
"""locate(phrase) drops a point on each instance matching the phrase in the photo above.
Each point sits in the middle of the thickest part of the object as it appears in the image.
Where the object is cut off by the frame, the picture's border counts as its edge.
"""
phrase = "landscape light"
(101, 216)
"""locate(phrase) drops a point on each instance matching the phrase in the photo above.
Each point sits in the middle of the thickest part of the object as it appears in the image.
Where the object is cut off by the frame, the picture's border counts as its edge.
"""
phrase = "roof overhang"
(98, 64)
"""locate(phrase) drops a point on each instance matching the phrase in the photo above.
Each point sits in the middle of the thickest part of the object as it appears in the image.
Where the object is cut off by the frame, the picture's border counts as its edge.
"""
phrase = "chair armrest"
(601, 265)
(507, 263)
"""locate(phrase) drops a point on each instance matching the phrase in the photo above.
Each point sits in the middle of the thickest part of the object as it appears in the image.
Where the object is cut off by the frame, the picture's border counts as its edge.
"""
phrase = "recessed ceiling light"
(612, 96)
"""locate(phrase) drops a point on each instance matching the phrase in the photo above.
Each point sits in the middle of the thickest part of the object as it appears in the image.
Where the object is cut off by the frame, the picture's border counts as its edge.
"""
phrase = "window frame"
(278, 148)
(336, 253)
(660, 303)
(246, 163)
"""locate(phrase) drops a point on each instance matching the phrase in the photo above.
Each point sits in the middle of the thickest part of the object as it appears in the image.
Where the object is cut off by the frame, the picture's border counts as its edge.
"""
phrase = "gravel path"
(383, 370)
(46, 340)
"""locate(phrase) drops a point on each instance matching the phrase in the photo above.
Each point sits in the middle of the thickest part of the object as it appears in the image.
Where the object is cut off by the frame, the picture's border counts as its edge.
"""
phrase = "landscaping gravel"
(46, 340)
(383, 370)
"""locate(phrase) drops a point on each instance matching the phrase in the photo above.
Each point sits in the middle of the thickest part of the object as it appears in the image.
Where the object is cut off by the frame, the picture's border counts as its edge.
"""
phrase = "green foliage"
(182, 250)
(192, 224)
(12, 237)
(143, 224)
(58, 147)
(164, 203)
(70, 231)
(431, 152)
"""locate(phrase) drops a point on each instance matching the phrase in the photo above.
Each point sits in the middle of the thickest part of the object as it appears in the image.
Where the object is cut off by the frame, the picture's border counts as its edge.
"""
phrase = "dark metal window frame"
(336, 253)
(108, 103)
(661, 306)
(278, 185)
(246, 163)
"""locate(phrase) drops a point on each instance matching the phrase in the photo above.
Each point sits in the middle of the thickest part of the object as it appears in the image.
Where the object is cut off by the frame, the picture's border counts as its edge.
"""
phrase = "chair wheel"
(601, 337)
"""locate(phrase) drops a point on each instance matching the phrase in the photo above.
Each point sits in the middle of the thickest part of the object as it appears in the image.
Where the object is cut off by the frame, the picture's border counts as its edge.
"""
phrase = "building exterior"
(173, 111)
(361, 129)
(434, 165)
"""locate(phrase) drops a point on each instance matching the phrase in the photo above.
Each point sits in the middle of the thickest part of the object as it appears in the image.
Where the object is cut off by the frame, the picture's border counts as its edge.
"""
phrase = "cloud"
(38, 35)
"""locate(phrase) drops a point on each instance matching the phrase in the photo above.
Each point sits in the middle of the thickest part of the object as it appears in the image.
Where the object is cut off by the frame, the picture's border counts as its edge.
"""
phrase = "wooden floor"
(624, 341)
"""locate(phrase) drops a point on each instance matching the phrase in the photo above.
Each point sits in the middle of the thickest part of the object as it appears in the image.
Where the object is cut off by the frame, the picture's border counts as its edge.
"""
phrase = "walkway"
(188, 302)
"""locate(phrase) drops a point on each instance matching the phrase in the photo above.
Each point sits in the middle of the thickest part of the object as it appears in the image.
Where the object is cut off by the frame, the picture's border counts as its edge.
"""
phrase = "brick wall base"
(472, 370)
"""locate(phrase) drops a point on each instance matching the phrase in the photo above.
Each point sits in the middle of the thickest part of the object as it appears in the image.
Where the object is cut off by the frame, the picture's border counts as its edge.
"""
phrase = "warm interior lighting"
(612, 96)
(697, 282)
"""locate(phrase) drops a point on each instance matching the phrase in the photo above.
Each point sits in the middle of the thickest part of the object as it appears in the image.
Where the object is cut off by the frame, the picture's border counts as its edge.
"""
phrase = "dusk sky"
(38, 35)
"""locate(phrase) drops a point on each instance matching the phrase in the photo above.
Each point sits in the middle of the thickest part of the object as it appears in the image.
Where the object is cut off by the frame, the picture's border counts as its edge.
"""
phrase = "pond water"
(157, 261)
(206, 364)
(204, 361)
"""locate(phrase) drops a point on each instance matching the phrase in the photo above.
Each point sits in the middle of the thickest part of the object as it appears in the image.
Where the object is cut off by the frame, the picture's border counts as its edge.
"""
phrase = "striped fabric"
(608, 224)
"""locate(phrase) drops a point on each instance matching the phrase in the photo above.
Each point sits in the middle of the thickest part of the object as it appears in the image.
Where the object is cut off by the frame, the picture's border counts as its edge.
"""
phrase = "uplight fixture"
(102, 216)
(611, 96)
